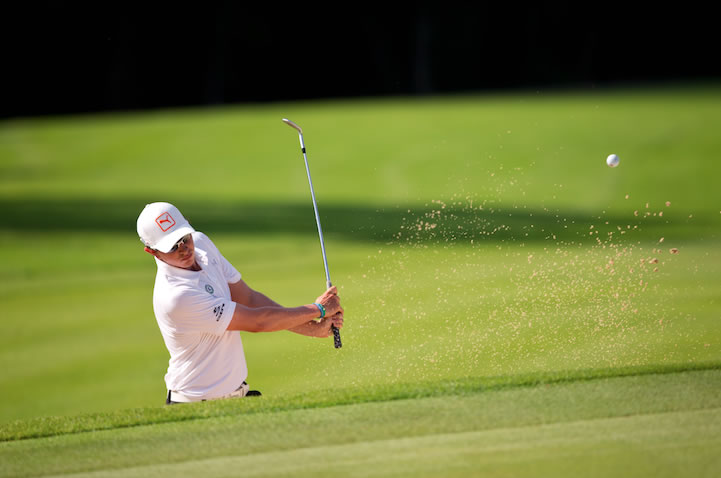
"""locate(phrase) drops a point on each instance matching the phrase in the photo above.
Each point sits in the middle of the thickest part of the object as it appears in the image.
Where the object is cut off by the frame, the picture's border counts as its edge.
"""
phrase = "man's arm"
(270, 319)
(241, 293)
(254, 312)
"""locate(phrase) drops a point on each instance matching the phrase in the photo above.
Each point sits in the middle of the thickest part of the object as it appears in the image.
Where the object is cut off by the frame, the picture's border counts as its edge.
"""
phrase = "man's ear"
(149, 251)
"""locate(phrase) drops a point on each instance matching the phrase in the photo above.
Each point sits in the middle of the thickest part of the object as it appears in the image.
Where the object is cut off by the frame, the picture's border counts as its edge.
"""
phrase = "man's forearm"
(255, 312)
(309, 329)
(271, 318)
(257, 299)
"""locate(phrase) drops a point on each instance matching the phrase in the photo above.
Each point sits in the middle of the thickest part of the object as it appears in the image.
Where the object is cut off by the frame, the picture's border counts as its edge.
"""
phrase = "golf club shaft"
(336, 333)
(315, 210)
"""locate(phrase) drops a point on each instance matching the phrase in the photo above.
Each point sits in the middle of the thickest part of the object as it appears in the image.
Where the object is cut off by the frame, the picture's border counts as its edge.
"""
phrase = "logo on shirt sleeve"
(218, 311)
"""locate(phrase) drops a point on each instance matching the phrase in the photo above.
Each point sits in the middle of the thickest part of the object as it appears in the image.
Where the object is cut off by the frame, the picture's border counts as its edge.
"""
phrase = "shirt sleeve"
(230, 273)
(199, 312)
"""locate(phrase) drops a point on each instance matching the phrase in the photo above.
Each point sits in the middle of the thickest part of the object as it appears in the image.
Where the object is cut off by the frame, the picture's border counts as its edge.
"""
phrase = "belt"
(178, 397)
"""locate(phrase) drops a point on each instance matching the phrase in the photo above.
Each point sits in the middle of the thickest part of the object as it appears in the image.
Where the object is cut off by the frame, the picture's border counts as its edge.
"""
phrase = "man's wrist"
(321, 309)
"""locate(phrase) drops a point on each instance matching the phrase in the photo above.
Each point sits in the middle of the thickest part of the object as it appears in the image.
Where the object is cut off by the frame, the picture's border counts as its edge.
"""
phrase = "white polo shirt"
(193, 310)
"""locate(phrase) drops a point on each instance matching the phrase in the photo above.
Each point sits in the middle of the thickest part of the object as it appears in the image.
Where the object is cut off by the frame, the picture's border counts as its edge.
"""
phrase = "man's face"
(183, 256)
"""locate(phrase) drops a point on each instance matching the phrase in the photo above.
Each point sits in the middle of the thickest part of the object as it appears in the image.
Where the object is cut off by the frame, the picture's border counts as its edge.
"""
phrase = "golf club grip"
(336, 333)
(336, 337)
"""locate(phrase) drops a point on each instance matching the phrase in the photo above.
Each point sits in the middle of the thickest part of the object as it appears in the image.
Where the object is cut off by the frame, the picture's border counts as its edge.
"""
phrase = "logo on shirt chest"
(209, 289)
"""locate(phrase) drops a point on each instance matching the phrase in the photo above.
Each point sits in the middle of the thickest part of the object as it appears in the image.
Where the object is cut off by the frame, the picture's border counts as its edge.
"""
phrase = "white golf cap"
(161, 225)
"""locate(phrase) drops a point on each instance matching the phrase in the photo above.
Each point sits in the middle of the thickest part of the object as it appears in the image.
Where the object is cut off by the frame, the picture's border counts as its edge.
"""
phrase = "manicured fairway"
(665, 424)
(505, 291)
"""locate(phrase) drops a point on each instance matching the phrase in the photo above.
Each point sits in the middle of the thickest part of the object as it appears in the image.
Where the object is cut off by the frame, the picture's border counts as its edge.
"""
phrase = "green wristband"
(321, 309)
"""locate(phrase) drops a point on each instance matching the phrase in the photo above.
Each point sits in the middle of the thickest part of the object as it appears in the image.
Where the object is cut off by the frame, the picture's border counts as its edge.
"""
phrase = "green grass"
(54, 426)
(385, 151)
(631, 423)
(479, 243)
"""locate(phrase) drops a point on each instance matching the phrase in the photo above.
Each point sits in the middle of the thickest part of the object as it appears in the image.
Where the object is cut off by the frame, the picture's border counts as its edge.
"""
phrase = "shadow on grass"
(412, 224)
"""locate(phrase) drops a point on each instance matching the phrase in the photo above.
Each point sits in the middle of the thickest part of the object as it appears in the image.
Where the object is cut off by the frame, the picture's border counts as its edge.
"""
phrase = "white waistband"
(181, 398)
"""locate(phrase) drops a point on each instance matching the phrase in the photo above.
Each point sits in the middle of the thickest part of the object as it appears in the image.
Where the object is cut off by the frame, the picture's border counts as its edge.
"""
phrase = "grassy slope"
(385, 151)
(649, 424)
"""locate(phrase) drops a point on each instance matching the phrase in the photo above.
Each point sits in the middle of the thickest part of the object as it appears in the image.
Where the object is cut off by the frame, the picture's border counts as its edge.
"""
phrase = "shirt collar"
(173, 271)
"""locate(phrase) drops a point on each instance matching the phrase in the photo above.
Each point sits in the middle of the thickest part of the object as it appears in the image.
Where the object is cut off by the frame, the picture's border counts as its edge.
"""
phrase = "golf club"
(336, 333)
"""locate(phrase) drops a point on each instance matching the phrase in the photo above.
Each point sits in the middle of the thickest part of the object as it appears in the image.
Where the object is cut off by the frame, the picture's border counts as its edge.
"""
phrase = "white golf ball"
(612, 160)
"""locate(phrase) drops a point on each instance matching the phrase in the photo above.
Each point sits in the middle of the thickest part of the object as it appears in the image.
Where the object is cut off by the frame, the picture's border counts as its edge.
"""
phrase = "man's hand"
(320, 328)
(324, 325)
(333, 317)
(331, 302)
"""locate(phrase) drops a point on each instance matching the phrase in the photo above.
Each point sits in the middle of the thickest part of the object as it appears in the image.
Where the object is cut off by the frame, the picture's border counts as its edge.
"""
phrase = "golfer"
(201, 302)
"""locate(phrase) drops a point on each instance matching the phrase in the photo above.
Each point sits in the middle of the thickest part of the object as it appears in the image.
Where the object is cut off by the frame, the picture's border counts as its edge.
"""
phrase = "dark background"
(63, 58)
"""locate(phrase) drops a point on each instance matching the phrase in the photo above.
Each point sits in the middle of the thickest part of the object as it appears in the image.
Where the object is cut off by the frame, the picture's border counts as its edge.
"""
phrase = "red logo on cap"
(165, 221)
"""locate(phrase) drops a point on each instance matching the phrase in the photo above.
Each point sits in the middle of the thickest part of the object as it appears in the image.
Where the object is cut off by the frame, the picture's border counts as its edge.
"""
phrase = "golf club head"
(293, 125)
